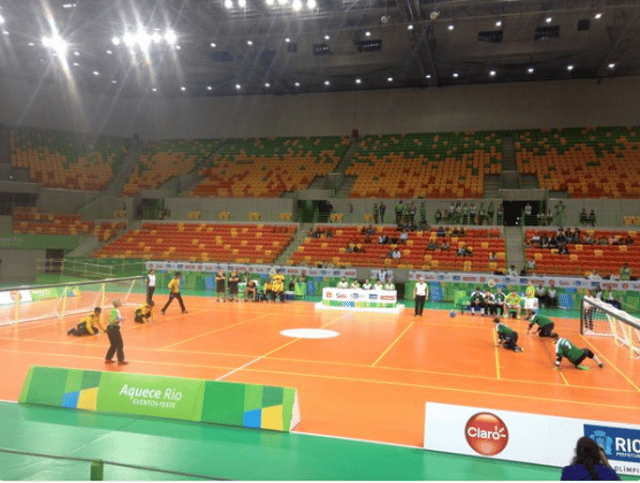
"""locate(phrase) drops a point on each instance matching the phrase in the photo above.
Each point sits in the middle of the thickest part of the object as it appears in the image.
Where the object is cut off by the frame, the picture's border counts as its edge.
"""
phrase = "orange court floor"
(370, 382)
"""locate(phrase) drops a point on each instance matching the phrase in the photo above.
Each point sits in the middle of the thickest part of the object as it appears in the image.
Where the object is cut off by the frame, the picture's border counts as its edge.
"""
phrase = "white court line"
(244, 366)
(356, 439)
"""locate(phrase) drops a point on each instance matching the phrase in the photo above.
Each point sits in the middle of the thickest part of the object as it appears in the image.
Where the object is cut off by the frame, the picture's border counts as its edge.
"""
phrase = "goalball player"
(545, 324)
(144, 313)
(174, 293)
(86, 325)
(565, 348)
(507, 336)
(278, 286)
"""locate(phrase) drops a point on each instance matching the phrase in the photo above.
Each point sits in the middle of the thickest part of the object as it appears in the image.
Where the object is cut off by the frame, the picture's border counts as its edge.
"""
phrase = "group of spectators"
(320, 232)
(587, 219)
(468, 214)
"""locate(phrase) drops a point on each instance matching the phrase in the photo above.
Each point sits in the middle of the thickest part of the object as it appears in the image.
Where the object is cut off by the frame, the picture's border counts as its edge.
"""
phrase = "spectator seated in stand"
(512, 271)
(441, 231)
(603, 241)
(584, 217)
(432, 246)
(445, 245)
(396, 254)
(404, 236)
(463, 252)
(383, 239)
(563, 250)
(493, 257)
(371, 231)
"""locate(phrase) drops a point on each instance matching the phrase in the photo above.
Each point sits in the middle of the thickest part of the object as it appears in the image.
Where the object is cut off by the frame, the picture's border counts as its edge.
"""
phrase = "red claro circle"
(486, 433)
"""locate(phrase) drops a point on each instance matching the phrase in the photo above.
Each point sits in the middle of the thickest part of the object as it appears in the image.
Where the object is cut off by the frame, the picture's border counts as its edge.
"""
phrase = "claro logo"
(486, 433)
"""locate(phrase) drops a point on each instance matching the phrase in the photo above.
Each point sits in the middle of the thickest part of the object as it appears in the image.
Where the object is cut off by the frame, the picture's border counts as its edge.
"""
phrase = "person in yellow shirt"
(174, 293)
(144, 313)
(278, 286)
(88, 325)
(267, 293)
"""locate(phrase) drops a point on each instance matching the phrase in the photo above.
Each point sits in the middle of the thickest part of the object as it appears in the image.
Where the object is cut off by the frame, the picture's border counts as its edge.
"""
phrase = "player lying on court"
(86, 326)
(545, 324)
(144, 313)
(507, 336)
(565, 348)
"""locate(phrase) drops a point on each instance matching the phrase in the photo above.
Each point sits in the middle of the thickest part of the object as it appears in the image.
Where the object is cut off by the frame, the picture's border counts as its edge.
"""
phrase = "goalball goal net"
(599, 318)
(38, 302)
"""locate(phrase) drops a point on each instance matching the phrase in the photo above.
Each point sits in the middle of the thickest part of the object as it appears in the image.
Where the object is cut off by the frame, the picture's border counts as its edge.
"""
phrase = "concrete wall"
(269, 208)
(65, 201)
(489, 106)
(19, 265)
(476, 107)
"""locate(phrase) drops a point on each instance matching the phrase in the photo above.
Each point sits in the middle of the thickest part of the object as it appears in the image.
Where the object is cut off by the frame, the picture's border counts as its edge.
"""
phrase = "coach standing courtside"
(420, 293)
(151, 286)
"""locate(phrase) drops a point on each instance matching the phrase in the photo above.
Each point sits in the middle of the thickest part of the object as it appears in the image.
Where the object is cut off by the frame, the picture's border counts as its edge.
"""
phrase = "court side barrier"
(245, 405)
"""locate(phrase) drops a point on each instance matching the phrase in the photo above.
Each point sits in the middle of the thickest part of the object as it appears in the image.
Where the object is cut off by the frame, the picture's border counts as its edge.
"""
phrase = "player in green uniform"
(499, 302)
(512, 303)
(477, 301)
(545, 324)
(565, 348)
(507, 336)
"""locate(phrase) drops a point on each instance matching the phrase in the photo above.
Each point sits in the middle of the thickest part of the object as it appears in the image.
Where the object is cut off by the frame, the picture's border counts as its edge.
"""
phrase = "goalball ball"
(452, 313)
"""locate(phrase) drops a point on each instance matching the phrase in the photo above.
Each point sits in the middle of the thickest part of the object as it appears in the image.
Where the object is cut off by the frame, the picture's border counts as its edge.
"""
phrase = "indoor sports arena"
(319, 240)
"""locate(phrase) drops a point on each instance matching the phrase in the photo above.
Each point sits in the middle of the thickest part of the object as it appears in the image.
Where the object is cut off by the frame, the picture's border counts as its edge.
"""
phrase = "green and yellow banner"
(245, 405)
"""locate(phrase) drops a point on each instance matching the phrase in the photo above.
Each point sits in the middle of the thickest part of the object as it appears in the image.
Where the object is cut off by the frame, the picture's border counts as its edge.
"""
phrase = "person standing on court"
(174, 293)
(151, 286)
(383, 209)
(420, 293)
(113, 332)
(233, 286)
(221, 286)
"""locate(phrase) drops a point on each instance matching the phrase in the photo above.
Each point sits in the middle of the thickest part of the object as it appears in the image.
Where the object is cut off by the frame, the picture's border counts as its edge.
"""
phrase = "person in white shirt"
(366, 285)
(594, 275)
(396, 254)
(512, 271)
(389, 285)
(343, 283)
(354, 284)
(378, 286)
(420, 293)
(151, 286)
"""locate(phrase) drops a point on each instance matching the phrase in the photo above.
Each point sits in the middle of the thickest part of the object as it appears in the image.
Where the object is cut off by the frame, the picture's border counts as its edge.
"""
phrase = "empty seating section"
(431, 165)
(165, 159)
(33, 221)
(268, 167)
(105, 231)
(585, 162)
(584, 258)
(67, 160)
(202, 242)
(481, 243)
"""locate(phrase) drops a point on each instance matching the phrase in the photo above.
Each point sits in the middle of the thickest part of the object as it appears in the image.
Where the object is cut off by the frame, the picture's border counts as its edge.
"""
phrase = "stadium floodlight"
(548, 19)
(128, 39)
(96, 73)
(312, 4)
(296, 5)
(170, 37)
(282, 2)
(242, 3)
(598, 16)
(367, 33)
(228, 4)
(56, 43)
(213, 45)
(327, 83)
(154, 89)
(297, 84)
(612, 65)
(2, 20)
(455, 74)
(428, 76)
(183, 88)
(109, 52)
(267, 85)
(499, 23)
(115, 40)
(410, 26)
(114, 81)
(570, 67)
(287, 39)
(327, 37)
(156, 38)
(451, 27)
(492, 73)
(389, 79)
(143, 39)
(249, 42)
(269, 2)
(238, 86)
(358, 81)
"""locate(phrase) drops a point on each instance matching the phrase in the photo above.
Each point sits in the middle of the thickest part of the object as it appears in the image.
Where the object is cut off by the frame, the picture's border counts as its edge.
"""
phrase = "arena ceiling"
(231, 47)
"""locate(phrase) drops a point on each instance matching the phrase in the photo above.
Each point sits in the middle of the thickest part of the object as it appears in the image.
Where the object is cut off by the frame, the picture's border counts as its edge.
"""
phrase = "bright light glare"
(492, 73)
(213, 45)
(548, 20)
(267, 85)
(96, 73)
(249, 42)
(171, 37)
(326, 83)
(297, 84)
(238, 86)
(455, 74)
(1, 20)
(56, 43)
(228, 3)
(389, 79)
(367, 33)
(312, 4)
(269, 2)
(183, 88)
(499, 23)
(612, 65)
(327, 37)
(156, 37)
(410, 27)
(570, 67)
(109, 52)
(598, 16)
(154, 89)
(450, 27)
(297, 5)
(76, 53)
(242, 3)
(428, 76)
(530, 70)
(209, 88)
(287, 40)
(128, 39)
(115, 40)
(358, 81)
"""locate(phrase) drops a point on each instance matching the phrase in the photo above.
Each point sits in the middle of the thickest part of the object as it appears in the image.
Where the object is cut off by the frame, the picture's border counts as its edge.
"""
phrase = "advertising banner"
(347, 297)
(526, 437)
(15, 297)
(245, 405)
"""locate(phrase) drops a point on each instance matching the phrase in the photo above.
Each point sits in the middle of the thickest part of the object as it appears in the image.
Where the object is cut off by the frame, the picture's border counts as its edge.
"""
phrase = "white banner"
(15, 297)
(356, 294)
(526, 437)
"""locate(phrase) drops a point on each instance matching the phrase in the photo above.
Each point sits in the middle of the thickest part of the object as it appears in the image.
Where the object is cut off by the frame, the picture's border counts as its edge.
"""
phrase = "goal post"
(598, 318)
(29, 303)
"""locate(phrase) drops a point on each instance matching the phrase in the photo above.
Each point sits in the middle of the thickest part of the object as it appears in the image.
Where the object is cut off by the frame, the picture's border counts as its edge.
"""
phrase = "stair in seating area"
(514, 245)
(293, 245)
